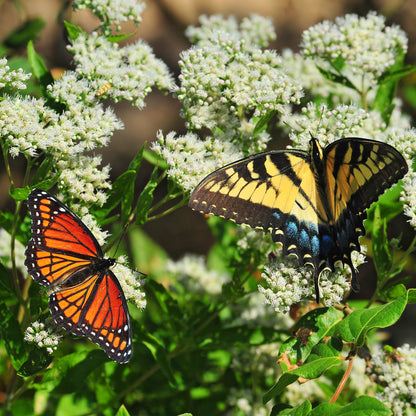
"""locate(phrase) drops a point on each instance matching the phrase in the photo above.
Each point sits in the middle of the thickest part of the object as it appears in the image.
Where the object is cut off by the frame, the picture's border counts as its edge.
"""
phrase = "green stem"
(168, 211)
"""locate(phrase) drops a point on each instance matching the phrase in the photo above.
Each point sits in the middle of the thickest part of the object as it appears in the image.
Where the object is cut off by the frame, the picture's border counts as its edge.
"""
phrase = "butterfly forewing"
(87, 299)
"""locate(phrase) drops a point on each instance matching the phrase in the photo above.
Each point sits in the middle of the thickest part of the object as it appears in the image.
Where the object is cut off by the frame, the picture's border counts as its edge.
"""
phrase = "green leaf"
(411, 293)
(122, 411)
(37, 362)
(301, 410)
(70, 373)
(6, 288)
(30, 30)
(386, 92)
(381, 252)
(40, 71)
(12, 336)
(362, 406)
(19, 194)
(146, 198)
(160, 355)
(73, 30)
(121, 191)
(120, 38)
(339, 79)
(320, 323)
(284, 381)
(263, 122)
(137, 160)
(42, 171)
(354, 327)
(155, 159)
(393, 75)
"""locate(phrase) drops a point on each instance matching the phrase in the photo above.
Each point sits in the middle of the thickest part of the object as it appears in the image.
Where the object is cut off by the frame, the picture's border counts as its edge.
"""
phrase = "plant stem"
(343, 380)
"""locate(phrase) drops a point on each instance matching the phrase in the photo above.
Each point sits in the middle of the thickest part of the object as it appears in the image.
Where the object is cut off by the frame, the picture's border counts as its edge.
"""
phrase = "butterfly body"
(86, 299)
(313, 202)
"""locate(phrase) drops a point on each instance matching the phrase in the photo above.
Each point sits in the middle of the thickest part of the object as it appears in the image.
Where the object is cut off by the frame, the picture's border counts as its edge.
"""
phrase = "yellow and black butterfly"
(312, 202)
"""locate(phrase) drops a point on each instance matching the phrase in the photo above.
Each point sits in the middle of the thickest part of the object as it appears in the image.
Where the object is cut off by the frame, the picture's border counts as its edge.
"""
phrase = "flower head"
(132, 70)
(190, 159)
(228, 81)
(43, 335)
(360, 46)
(395, 372)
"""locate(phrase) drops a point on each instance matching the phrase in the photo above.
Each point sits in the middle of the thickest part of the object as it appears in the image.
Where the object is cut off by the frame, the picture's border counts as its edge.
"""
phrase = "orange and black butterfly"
(87, 299)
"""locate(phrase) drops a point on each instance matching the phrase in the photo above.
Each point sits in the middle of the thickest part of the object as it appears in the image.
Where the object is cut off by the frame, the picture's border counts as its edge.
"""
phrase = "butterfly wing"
(276, 191)
(61, 244)
(358, 171)
(96, 308)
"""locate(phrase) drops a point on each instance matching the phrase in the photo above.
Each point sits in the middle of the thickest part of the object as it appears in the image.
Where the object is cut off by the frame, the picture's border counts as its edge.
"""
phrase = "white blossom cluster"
(132, 70)
(365, 45)
(131, 282)
(43, 335)
(113, 12)
(285, 283)
(194, 275)
(190, 159)
(228, 82)
(395, 372)
(13, 79)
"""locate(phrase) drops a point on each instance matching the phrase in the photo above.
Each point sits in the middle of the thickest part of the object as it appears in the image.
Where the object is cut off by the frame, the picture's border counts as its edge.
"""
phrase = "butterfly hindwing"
(87, 299)
(96, 308)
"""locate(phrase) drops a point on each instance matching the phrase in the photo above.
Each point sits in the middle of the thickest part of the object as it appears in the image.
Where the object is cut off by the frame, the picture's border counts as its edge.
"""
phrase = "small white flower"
(44, 335)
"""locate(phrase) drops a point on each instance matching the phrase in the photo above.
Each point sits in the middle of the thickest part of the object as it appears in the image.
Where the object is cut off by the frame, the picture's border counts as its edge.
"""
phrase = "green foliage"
(194, 350)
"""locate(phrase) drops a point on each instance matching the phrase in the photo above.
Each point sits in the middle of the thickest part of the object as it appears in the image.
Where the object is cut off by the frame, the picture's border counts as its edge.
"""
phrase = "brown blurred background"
(164, 22)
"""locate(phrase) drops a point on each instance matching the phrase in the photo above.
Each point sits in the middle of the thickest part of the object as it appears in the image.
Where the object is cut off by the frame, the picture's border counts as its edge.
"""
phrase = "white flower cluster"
(11, 78)
(131, 282)
(286, 284)
(132, 70)
(255, 30)
(193, 273)
(113, 11)
(227, 78)
(365, 44)
(396, 373)
(5, 253)
(44, 336)
(190, 159)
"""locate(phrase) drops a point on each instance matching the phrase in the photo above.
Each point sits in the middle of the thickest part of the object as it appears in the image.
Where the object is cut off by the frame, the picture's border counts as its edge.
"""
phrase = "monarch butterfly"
(87, 299)
(312, 202)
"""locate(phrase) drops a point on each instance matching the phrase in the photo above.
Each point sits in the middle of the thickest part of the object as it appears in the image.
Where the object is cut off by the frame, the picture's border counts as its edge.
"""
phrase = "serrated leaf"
(354, 327)
(362, 406)
(145, 199)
